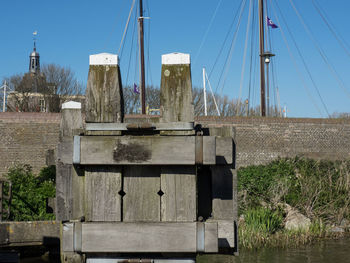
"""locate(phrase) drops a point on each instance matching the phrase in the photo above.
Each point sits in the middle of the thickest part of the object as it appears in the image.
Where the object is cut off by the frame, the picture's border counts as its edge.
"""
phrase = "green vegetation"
(29, 193)
(320, 190)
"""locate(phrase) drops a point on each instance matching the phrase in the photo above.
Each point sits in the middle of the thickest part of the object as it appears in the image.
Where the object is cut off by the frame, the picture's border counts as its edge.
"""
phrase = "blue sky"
(69, 31)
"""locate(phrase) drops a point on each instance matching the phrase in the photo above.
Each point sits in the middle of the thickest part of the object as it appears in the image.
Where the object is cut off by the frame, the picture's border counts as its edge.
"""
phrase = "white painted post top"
(176, 59)
(71, 105)
(104, 59)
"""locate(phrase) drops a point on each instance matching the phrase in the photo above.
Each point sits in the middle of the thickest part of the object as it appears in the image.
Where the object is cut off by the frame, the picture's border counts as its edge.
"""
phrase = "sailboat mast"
(142, 61)
(262, 58)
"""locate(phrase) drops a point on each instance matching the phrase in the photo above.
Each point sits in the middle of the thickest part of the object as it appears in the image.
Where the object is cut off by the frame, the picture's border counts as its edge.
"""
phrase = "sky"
(69, 31)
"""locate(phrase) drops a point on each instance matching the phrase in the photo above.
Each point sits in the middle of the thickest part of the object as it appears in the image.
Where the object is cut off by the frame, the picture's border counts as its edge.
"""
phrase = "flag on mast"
(270, 23)
(136, 89)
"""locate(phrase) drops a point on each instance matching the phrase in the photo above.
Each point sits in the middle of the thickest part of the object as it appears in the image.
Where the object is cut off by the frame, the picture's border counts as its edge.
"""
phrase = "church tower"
(34, 58)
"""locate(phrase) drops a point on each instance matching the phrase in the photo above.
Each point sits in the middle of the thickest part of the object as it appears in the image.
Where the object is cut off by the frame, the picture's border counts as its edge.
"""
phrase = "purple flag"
(270, 23)
(136, 89)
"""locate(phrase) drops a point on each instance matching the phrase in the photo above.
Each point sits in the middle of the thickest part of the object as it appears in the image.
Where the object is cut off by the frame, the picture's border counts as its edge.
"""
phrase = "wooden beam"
(146, 237)
(29, 233)
(143, 150)
(171, 126)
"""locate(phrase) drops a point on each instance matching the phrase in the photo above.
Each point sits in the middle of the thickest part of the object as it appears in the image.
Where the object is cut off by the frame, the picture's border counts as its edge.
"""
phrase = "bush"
(29, 193)
(319, 189)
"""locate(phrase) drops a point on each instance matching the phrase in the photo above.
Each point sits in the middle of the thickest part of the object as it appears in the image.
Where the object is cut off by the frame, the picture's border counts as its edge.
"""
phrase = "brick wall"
(26, 138)
(260, 140)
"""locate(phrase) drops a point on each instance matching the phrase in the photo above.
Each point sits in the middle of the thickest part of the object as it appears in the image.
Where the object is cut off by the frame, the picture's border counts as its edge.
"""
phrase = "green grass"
(318, 189)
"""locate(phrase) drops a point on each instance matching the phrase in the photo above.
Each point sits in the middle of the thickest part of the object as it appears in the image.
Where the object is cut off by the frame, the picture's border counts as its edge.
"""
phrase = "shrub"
(29, 193)
(319, 189)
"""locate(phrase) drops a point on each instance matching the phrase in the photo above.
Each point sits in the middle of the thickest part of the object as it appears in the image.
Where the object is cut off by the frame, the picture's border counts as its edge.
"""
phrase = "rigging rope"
(149, 71)
(227, 35)
(121, 46)
(252, 47)
(325, 19)
(131, 50)
(320, 50)
(303, 60)
(294, 60)
(244, 57)
(233, 43)
(206, 33)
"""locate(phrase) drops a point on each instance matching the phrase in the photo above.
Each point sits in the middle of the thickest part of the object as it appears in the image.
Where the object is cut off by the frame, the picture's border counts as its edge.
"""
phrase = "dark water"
(328, 251)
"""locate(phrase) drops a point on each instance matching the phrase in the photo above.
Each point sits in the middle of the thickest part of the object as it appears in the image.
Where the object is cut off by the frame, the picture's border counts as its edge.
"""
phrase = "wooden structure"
(143, 190)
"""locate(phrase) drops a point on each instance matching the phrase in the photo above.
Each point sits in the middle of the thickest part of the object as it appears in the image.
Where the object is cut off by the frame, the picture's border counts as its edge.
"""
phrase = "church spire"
(34, 58)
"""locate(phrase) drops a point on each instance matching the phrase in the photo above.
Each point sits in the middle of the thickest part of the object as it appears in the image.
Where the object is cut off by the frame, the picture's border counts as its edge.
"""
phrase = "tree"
(63, 78)
(227, 107)
(42, 91)
(340, 115)
(132, 104)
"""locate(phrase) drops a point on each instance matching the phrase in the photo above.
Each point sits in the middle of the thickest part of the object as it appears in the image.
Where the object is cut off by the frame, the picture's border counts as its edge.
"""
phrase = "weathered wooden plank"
(102, 199)
(224, 144)
(176, 88)
(104, 93)
(227, 234)
(211, 237)
(67, 237)
(209, 150)
(224, 151)
(222, 192)
(141, 185)
(179, 201)
(224, 188)
(65, 150)
(64, 198)
(139, 150)
(29, 233)
(78, 188)
(139, 237)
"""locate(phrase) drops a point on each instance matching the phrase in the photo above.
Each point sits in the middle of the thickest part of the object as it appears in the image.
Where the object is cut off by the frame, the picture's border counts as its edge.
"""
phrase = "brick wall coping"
(27, 117)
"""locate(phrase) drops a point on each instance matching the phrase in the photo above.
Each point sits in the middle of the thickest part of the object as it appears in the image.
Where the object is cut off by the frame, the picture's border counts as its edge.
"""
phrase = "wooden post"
(224, 188)
(71, 124)
(176, 88)
(104, 93)
(178, 183)
(104, 104)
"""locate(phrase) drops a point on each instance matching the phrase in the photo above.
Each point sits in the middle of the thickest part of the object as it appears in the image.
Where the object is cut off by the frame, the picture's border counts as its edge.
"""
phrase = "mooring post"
(69, 201)
(104, 104)
(176, 88)
(104, 93)
(71, 124)
(178, 182)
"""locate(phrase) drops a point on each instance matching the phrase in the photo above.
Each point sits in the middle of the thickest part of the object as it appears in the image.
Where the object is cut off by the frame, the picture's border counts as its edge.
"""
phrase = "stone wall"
(26, 138)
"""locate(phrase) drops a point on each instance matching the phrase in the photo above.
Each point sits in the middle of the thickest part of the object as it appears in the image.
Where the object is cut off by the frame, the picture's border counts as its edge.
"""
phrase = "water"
(327, 251)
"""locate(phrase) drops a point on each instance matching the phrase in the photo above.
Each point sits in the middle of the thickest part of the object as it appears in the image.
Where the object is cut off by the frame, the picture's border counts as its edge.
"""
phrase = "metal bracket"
(76, 150)
(77, 237)
(200, 237)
